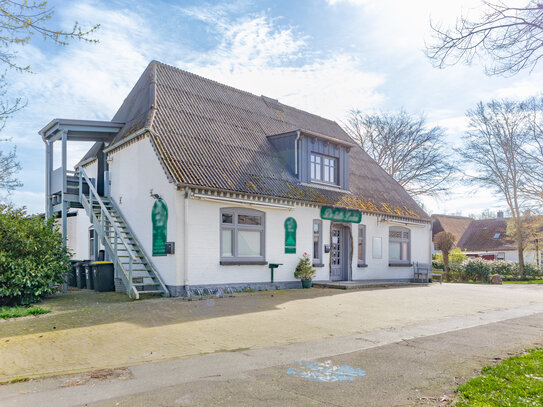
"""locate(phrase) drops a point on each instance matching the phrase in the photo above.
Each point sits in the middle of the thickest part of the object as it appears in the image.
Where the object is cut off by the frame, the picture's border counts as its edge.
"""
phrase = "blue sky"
(325, 56)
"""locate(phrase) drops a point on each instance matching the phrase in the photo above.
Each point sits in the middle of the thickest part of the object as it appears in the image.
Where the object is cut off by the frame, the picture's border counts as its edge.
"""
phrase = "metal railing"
(106, 221)
(143, 254)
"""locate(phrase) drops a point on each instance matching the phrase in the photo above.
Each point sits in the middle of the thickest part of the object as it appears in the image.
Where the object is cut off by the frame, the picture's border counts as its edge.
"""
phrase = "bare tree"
(493, 149)
(413, 153)
(533, 150)
(511, 36)
(445, 242)
(19, 22)
(531, 228)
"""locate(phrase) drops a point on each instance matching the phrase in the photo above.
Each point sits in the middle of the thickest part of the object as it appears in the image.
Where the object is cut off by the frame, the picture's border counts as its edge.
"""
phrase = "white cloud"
(258, 56)
(355, 2)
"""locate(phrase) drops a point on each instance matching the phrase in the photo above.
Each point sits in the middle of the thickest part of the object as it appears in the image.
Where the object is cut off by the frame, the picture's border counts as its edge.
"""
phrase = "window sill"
(243, 262)
(362, 265)
(400, 265)
(318, 264)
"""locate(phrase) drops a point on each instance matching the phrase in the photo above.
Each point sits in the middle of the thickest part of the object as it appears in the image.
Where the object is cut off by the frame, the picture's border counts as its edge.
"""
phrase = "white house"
(195, 184)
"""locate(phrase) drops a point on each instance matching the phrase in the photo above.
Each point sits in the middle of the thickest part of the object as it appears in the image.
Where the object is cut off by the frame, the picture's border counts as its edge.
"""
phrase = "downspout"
(298, 132)
(185, 239)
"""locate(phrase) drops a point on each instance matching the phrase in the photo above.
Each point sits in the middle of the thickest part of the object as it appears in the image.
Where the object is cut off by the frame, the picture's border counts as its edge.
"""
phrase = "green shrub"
(531, 270)
(503, 268)
(32, 259)
(477, 270)
(455, 256)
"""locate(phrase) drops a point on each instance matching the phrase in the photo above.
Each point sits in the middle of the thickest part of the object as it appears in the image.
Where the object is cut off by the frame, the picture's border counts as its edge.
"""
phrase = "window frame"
(361, 262)
(401, 240)
(323, 168)
(235, 227)
(318, 260)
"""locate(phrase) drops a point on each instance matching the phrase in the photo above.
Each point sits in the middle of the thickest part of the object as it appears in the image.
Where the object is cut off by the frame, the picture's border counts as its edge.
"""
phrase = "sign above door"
(341, 215)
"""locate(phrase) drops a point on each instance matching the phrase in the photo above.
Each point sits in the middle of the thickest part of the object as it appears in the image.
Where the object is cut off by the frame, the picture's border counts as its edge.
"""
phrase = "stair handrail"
(98, 199)
(147, 259)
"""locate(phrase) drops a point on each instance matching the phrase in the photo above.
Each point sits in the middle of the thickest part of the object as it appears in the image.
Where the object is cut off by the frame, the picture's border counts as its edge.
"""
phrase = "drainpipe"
(296, 152)
(185, 237)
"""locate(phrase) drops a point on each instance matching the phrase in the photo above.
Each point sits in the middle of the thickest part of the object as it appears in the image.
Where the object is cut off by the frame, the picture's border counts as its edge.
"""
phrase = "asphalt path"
(415, 364)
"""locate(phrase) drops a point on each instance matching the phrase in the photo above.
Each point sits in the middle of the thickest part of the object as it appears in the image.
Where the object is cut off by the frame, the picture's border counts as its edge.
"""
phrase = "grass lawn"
(517, 381)
(524, 282)
(16, 312)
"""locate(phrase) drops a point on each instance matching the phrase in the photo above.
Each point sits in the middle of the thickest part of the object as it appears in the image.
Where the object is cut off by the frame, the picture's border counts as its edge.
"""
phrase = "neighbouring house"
(456, 225)
(196, 185)
(485, 238)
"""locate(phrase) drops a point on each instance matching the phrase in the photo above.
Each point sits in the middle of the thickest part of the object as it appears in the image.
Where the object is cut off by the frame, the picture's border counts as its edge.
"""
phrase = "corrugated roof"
(211, 135)
(456, 225)
(486, 235)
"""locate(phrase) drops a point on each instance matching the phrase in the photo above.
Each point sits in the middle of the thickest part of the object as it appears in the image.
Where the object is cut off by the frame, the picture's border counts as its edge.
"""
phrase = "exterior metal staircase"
(131, 262)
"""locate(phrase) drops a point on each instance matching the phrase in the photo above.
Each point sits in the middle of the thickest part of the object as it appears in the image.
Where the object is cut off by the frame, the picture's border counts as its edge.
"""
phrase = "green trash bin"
(80, 278)
(71, 277)
(89, 281)
(103, 276)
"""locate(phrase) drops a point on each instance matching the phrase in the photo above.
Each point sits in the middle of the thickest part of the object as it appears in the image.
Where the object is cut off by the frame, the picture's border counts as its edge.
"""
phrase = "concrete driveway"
(90, 331)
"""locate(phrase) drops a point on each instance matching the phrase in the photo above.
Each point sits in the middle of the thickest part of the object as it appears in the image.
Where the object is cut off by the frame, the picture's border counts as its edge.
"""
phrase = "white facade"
(194, 225)
(508, 255)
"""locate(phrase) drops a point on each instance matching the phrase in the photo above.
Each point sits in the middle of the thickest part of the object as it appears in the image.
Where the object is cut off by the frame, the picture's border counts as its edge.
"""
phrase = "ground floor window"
(399, 245)
(242, 235)
(317, 241)
(361, 245)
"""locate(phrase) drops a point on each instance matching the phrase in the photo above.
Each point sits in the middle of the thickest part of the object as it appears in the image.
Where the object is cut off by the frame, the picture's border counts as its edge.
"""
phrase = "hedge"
(479, 270)
(32, 259)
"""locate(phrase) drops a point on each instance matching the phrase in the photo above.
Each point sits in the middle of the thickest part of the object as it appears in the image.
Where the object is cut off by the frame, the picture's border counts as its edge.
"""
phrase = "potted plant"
(305, 271)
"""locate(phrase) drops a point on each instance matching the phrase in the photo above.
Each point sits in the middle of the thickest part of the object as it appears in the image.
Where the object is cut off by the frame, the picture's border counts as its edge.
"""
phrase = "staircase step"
(151, 292)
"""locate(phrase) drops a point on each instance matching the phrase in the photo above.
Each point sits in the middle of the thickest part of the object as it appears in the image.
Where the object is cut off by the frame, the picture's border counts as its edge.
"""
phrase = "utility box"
(170, 247)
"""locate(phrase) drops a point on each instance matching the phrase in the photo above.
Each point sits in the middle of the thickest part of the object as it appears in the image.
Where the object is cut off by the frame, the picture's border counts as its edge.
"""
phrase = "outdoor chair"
(421, 272)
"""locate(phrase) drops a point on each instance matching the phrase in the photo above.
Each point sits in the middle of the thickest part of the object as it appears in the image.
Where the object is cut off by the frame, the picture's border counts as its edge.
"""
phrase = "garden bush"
(475, 269)
(32, 259)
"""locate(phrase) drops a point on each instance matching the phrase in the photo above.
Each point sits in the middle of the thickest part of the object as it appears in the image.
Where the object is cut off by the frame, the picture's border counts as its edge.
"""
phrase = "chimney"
(500, 214)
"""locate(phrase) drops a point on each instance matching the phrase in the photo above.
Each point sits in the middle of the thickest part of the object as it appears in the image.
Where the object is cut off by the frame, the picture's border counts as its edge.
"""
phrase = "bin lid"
(101, 262)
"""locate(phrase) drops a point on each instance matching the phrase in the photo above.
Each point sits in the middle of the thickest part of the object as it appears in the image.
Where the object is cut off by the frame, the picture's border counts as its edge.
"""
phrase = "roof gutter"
(205, 197)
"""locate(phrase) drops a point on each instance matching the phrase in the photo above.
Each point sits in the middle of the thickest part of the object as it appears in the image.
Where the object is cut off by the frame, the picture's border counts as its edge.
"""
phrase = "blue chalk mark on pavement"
(325, 372)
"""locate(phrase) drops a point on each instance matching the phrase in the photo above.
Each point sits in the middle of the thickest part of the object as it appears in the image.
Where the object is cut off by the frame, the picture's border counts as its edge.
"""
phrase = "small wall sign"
(159, 217)
(340, 215)
(290, 235)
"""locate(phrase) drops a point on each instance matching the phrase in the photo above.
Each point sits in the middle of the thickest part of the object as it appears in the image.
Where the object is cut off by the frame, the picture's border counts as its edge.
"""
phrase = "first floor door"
(339, 253)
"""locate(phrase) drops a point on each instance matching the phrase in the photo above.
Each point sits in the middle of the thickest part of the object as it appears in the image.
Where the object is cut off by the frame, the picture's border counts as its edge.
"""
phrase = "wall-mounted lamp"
(154, 196)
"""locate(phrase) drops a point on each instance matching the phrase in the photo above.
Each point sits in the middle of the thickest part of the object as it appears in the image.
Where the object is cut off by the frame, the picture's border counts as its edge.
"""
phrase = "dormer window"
(324, 169)
(315, 158)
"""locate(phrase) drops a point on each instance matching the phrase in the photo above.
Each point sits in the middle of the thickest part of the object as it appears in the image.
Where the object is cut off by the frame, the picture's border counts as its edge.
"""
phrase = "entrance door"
(339, 253)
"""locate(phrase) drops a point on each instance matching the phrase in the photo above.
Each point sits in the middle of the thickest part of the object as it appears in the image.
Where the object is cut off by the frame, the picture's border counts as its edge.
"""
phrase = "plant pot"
(306, 283)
